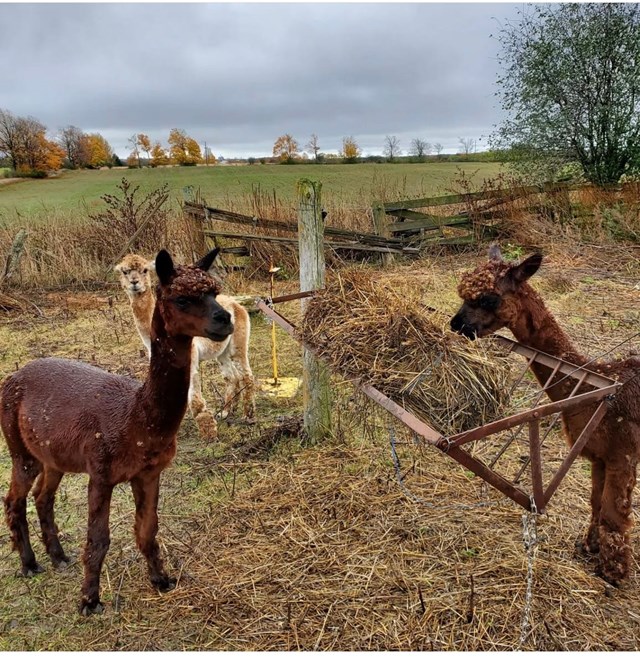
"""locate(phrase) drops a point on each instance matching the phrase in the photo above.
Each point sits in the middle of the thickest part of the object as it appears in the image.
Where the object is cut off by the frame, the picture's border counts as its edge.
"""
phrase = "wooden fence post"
(382, 229)
(316, 378)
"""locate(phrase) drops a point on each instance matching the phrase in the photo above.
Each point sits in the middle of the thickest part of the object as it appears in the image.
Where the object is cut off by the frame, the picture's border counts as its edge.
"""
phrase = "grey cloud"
(239, 75)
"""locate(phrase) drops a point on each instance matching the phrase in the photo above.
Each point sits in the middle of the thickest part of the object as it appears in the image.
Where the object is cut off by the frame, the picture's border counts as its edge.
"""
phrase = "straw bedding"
(368, 330)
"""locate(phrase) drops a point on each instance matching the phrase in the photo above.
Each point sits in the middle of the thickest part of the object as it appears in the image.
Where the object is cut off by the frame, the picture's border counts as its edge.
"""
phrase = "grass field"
(76, 192)
(303, 548)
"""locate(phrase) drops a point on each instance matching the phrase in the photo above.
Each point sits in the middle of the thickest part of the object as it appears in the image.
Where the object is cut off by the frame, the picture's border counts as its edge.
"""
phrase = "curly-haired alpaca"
(498, 295)
(62, 416)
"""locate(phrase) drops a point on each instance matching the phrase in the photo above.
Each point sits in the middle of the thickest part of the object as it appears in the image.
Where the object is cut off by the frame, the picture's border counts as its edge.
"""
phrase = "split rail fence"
(403, 228)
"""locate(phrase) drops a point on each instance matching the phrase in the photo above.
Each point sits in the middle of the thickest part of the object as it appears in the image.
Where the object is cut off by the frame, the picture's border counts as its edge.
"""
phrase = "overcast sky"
(239, 75)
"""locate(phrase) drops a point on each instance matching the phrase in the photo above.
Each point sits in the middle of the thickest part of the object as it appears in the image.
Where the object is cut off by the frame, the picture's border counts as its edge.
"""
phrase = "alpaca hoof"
(165, 584)
(61, 563)
(612, 580)
(88, 608)
(584, 551)
(32, 570)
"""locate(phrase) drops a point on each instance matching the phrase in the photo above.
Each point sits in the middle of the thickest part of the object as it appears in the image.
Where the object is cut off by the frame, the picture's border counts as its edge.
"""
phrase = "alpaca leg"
(145, 493)
(248, 388)
(589, 545)
(97, 545)
(24, 472)
(231, 378)
(44, 494)
(207, 425)
(616, 521)
(245, 385)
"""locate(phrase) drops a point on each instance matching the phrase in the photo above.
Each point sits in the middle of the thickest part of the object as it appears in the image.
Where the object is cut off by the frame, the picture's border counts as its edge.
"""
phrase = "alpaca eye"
(182, 302)
(489, 302)
(125, 272)
(144, 271)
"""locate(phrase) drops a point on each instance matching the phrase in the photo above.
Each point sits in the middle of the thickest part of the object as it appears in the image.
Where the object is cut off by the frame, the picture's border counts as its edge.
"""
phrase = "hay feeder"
(597, 390)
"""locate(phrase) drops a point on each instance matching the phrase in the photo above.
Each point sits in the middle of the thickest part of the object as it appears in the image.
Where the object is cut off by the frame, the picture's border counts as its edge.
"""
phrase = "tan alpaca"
(232, 353)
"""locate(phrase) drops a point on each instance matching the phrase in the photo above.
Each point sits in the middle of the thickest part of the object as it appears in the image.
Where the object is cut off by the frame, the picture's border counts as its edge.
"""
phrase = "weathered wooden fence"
(405, 227)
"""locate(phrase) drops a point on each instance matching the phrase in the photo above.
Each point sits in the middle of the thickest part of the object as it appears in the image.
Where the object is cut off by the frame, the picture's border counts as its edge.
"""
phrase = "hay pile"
(368, 330)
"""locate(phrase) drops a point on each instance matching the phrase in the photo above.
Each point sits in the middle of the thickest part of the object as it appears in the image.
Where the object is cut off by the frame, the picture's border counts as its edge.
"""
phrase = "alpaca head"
(135, 274)
(492, 294)
(186, 299)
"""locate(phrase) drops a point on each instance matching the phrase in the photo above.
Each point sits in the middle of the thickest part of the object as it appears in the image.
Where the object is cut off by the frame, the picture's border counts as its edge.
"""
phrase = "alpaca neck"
(142, 306)
(536, 327)
(164, 393)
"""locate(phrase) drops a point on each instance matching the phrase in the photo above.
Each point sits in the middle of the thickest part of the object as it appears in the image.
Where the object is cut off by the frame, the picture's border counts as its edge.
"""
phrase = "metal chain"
(530, 541)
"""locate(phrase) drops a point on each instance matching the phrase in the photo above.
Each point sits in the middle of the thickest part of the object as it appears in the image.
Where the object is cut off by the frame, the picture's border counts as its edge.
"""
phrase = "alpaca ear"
(495, 253)
(164, 267)
(526, 269)
(206, 261)
(151, 265)
(118, 267)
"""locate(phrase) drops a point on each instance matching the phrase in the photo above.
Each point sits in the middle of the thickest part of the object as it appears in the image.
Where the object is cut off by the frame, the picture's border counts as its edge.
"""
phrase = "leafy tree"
(159, 156)
(184, 150)
(571, 89)
(25, 144)
(99, 151)
(145, 144)
(313, 146)
(420, 148)
(285, 148)
(47, 156)
(391, 147)
(350, 150)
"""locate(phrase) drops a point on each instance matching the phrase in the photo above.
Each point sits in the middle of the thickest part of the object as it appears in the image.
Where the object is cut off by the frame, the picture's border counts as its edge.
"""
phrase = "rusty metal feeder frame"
(603, 391)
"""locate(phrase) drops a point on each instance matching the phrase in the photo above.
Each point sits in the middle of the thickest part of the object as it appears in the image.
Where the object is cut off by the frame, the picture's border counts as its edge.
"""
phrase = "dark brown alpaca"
(496, 295)
(63, 416)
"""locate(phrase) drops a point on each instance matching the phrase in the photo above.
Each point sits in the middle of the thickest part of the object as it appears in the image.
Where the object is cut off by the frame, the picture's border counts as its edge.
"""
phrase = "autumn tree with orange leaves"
(184, 150)
(285, 148)
(350, 150)
(145, 144)
(99, 150)
(159, 156)
(24, 142)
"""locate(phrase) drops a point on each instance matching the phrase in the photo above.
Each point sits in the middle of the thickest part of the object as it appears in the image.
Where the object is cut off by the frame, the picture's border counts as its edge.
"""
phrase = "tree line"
(29, 152)
(287, 150)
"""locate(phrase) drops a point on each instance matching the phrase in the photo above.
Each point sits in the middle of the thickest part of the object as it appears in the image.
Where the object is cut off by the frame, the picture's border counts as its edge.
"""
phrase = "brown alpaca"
(232, 354)
(63, 416)
(498, 295)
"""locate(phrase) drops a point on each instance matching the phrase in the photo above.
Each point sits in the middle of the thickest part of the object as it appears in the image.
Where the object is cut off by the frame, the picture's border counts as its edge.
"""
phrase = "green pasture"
(74, 193)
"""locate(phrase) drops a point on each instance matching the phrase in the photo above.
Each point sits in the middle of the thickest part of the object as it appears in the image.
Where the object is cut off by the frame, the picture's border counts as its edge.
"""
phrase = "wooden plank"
(451, 199)
(345, 246)
(448, 241)
(428, 223)
(412, 215)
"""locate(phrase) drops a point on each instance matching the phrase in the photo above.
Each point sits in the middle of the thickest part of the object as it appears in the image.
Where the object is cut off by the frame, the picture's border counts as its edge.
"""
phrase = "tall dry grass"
(72, 249)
